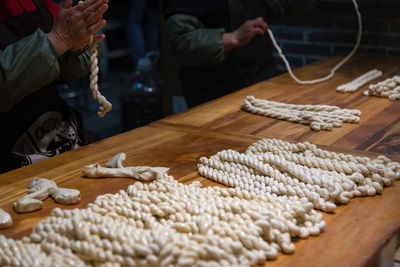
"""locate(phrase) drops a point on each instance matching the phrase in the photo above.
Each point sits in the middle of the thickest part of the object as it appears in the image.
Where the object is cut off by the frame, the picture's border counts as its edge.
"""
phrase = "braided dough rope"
(167, 223)
(105, 106)
(318, 117)
(389, 88)
(272, 166)
(360, 81)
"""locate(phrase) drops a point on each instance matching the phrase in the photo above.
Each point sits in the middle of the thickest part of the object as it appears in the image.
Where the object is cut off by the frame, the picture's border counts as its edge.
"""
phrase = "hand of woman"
(244, 34)
(75, 25)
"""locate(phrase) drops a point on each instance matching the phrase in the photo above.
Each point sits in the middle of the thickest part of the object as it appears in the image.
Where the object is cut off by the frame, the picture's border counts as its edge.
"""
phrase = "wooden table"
(354, 236)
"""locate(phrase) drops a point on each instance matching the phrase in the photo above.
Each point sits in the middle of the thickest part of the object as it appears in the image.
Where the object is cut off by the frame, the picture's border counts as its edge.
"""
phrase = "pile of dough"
(166, 223)
(273, 166)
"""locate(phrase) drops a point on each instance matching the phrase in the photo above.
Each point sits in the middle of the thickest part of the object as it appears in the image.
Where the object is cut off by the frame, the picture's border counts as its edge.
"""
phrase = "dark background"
(330, 30)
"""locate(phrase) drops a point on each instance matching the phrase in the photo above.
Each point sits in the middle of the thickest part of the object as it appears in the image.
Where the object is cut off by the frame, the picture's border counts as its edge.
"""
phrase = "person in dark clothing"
(220, 45)
(40, 43)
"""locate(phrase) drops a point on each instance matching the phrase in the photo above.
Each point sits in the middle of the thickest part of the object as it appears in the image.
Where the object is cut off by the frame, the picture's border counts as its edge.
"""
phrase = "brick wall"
(332, 29)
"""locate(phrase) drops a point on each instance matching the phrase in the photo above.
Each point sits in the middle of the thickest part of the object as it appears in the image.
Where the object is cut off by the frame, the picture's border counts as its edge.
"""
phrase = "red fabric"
(12, 8)
(53, 7)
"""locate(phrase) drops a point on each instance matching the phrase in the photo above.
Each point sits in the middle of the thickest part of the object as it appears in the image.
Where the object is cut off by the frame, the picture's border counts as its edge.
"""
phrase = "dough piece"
(38, 184)
(39, 188)
(117, 161)
(318, 117)
(5, 219)
(66, 196)
(359, 82)
(26, 204)
(141, 173)
(166, 223)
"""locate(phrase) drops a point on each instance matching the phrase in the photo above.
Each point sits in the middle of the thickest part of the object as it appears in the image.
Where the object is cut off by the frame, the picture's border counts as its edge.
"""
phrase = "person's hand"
(74, 26)
(244, 34)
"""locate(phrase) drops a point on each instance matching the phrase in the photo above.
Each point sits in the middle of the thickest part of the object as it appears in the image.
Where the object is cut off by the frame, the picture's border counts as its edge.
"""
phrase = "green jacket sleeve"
(192, 44)
(31, 63)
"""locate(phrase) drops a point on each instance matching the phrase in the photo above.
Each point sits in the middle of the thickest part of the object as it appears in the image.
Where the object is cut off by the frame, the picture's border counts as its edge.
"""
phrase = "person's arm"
(290, 10)
(36, 60)
(191, 43)
(25, 67)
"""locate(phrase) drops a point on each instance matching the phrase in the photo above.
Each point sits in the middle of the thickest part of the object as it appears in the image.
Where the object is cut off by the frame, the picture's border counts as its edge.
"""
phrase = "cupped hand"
(245, 33)
(75, 25)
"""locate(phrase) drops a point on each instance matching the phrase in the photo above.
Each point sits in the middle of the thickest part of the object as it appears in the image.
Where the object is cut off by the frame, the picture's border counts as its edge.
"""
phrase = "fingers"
(260, 23)
(89, 3)
(96, 15)
(96, 27)
(98, 38)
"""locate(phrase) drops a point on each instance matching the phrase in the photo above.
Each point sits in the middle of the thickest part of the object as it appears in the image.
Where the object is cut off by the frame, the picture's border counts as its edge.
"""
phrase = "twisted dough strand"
(166, 223)
(105, 105)
(359, 82)
(275, 167)
(389, 88)
(318, 117)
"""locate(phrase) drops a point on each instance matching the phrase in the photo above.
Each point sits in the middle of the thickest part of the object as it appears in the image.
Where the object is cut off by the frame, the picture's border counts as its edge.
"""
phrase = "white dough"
(26, 204)
(318, 117)
(273, 166)
(141, 173)
(5, 219)
(360, 81)
(166, 223)
(389, 88)
(66, 196)
(117, 161)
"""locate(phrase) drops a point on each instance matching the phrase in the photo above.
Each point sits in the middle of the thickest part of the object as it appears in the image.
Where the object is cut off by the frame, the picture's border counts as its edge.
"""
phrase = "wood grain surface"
(354, 234)
(378, 130)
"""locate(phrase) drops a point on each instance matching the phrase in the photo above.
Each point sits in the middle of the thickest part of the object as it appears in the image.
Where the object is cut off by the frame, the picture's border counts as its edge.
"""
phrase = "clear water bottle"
(142, 101)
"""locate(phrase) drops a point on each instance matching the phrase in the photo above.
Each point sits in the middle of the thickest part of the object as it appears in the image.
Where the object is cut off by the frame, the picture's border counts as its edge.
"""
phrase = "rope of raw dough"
(358, 82)
(105, 105)
(389, 88)
(335, 68)
(166, 223)
(318, 117)
(272, 166)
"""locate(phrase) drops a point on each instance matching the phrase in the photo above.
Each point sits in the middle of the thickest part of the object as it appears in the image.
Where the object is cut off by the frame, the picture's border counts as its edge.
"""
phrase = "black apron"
(41, 125)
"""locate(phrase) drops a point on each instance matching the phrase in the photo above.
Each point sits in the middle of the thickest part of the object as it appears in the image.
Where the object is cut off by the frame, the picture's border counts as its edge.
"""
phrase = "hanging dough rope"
(318, 117)
(335, 68)
(272, 166)
(105, 106)
(389, 88)
(359, 82)
(167, 223)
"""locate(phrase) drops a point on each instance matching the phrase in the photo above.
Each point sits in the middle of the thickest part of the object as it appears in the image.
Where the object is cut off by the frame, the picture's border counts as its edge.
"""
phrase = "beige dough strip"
(318, 117)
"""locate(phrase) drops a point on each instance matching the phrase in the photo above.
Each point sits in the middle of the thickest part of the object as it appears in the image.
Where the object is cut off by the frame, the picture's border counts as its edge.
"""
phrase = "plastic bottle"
(142, 102)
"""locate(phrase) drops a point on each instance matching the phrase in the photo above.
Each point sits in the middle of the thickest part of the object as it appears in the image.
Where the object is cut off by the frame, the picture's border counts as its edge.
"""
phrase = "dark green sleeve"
(74, 65)
(290, 10)
(32, 63)
(25, 67)
(192, 44)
